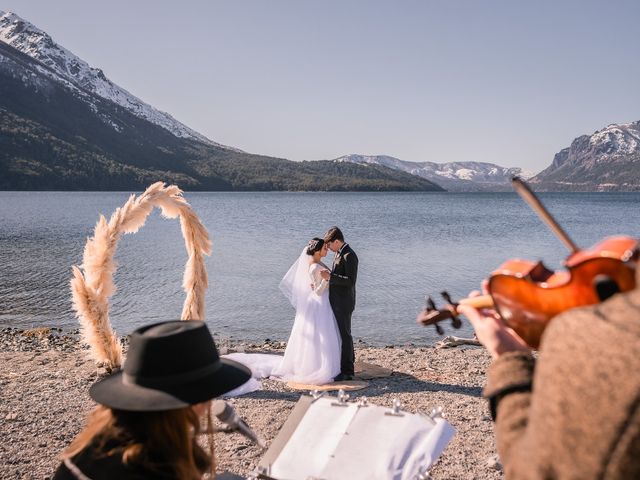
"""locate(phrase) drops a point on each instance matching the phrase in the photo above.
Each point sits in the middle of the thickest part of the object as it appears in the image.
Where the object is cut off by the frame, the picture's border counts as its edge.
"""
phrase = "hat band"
(171, 380)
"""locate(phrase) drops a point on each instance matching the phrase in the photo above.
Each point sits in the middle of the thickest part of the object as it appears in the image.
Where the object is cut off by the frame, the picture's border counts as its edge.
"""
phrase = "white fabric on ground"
(312, 355)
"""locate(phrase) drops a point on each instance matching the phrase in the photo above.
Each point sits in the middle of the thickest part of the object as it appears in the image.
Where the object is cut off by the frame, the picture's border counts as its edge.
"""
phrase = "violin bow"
(534, 202)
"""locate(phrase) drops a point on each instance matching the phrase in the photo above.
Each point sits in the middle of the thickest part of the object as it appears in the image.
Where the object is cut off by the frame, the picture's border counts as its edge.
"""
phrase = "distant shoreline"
(67, 339)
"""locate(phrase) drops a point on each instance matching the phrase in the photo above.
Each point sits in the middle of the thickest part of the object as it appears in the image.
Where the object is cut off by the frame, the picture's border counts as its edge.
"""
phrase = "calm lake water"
(408, 245)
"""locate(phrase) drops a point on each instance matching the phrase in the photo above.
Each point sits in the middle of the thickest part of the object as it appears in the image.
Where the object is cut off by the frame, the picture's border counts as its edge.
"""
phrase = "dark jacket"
(342, 285)
(574, 413)
(97, 466)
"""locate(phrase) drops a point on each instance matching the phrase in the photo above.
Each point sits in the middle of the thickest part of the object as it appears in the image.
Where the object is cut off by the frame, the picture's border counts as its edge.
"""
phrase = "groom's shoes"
(343, 377)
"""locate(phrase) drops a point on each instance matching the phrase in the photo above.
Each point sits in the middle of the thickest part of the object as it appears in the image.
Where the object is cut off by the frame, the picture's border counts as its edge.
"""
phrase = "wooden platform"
(364, 371)
(349, 385)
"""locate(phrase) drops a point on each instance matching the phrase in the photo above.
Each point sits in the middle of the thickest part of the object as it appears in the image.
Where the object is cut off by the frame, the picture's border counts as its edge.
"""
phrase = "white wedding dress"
(313, 351)
(312, 355)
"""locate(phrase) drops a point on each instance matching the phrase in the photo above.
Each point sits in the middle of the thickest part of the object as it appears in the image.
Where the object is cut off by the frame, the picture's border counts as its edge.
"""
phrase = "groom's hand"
(325, 274)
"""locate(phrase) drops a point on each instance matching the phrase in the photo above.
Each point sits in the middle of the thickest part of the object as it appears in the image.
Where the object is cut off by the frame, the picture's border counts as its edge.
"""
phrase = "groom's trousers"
(342, 295)
(347, 358)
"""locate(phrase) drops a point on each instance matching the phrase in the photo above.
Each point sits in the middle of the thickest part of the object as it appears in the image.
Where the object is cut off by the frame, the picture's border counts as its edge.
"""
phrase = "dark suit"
(342, 295)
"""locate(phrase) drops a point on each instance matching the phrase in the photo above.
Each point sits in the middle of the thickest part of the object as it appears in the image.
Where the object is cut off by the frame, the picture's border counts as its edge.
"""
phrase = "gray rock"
(494, 463)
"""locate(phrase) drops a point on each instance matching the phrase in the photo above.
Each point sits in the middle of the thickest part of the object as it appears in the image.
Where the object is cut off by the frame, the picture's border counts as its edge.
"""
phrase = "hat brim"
(114, 393)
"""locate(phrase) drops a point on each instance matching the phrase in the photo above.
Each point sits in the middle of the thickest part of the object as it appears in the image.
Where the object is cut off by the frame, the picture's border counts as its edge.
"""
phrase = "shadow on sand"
(396, 383)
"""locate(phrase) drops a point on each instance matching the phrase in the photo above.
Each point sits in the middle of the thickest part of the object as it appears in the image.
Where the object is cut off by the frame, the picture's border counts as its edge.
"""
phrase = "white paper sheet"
(357, 443)
(314, 441)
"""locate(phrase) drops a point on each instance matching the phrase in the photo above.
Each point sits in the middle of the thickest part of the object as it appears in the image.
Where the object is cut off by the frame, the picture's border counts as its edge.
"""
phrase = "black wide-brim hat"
(169, 365)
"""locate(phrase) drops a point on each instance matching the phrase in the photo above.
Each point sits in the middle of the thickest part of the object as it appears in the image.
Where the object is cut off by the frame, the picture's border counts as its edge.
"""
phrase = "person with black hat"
(148, 416)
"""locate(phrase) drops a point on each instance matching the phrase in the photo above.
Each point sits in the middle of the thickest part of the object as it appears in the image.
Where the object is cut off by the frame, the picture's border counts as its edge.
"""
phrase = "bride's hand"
(325, 274)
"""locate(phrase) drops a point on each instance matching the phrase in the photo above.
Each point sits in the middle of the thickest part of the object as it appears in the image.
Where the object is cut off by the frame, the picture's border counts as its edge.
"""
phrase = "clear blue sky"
(507, 82)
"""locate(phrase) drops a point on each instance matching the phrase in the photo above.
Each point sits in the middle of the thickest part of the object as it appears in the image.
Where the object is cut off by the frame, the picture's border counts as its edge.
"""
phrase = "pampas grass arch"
(92, 284)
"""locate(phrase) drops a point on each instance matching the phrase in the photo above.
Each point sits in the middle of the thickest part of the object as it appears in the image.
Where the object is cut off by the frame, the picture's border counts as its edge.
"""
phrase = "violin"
(527, 295)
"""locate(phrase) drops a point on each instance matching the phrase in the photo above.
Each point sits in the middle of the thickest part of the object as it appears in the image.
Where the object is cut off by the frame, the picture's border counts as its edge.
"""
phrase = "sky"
(506, 82)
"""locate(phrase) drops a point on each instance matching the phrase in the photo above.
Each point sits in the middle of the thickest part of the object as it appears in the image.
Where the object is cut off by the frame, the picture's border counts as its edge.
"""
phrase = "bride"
(312, 355)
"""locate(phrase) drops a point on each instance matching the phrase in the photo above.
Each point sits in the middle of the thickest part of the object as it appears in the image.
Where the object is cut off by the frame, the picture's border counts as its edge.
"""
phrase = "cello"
(527, 295)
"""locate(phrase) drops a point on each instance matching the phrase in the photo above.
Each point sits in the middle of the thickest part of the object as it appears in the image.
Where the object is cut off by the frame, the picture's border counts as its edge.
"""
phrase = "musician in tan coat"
(574, 412)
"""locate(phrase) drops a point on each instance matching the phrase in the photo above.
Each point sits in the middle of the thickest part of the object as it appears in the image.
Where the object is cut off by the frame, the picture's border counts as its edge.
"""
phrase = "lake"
(409, 244)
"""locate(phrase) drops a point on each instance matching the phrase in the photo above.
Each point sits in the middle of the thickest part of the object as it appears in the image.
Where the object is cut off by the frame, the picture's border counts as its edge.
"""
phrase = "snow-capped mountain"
(36, 43)
(454, 176)
(609, 159)
(622, 139)
(57, 135)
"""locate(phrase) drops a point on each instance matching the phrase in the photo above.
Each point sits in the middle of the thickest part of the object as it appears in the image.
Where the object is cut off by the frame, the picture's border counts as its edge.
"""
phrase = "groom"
(342, 295)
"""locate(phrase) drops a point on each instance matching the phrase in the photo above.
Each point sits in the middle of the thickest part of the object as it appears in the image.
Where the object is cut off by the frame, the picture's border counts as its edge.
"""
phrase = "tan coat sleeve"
(580, 419)
(508, 389)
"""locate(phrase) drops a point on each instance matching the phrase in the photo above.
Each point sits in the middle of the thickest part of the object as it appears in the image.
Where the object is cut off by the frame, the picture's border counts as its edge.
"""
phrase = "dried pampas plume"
(92, 284)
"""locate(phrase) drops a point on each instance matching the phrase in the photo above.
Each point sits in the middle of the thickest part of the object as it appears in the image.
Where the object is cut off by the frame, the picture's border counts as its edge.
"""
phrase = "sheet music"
(314, 442)
(360, 442)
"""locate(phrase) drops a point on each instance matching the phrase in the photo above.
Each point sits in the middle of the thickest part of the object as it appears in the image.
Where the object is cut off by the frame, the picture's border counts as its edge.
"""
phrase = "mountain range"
(65, 126)
(607, 160)
(453, 176)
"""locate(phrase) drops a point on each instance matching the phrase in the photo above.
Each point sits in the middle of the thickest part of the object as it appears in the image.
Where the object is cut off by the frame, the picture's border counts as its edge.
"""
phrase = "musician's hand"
(491, 330)
(325, 274)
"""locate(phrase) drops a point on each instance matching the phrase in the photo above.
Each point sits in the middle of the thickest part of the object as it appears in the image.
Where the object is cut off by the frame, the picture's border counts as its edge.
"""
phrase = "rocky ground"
(45, 375)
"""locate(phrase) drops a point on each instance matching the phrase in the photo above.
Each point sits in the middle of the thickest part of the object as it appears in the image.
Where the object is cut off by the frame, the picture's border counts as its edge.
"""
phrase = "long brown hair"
(163, 441)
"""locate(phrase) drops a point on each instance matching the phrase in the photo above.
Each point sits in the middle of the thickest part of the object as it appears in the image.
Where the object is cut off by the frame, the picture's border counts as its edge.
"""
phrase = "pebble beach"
(45, 375)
